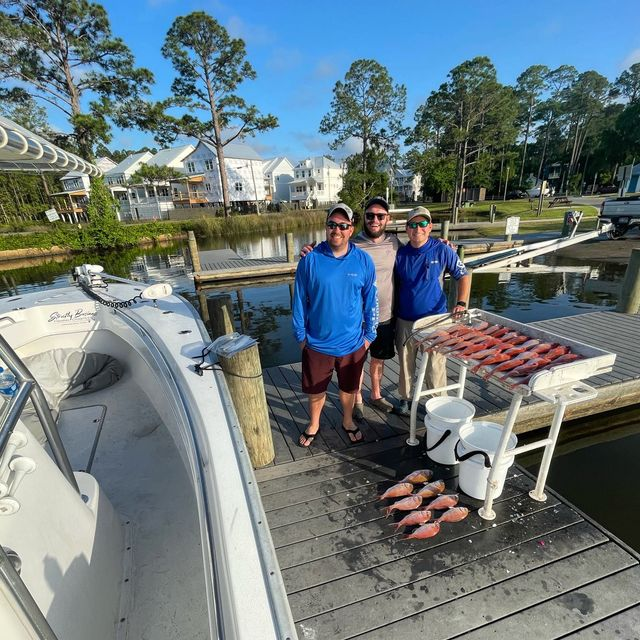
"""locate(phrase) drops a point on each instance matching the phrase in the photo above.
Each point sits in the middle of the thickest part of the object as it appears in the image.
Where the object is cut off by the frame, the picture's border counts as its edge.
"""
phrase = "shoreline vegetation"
(25, 241)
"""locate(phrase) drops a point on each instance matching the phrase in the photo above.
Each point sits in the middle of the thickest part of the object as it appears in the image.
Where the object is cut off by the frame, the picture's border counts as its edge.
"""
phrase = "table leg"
(417, 392)
(486, 512)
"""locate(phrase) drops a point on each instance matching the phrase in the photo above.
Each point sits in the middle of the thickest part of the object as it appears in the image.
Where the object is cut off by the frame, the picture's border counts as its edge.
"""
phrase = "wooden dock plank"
(470, 614)
(625, 624)
(428, 557)
(444, 589)
(570, 611)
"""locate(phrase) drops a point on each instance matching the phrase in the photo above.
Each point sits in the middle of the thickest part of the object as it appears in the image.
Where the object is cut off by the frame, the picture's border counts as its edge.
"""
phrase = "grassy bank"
(77, 238)
(523, 208)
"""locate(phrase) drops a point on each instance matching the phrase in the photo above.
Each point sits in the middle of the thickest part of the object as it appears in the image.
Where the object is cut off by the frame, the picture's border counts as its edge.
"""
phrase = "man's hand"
(308, 248)
(449, 244)
(458, 311)
(366, 344)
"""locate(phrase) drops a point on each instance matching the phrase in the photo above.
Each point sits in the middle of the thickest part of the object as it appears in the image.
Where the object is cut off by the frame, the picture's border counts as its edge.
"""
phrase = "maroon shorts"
(317, 369)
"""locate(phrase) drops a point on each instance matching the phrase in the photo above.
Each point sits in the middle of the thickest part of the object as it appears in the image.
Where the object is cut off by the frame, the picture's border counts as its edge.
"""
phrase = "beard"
(374, 234)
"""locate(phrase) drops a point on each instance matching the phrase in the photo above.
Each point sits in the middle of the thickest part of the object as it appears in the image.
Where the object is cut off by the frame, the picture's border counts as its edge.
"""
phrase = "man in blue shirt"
(335, 315)
(418, 270)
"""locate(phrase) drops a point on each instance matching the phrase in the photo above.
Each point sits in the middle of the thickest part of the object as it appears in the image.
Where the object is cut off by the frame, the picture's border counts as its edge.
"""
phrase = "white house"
(74, 197)
(407, 184)
(118, 176)
(243, 168)
(278, 173)
(316, 182)
(145, 201)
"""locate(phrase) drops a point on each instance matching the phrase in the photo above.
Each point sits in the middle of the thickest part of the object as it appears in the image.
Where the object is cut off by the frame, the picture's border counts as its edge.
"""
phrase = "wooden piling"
(193, 250)
(629, 301)
(243, 374)
(220, 310)
(444, 233)
(290, 255)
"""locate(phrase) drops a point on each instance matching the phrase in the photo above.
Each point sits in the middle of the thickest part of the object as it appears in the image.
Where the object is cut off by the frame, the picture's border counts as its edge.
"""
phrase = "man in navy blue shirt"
(418, 270)
(335, 315)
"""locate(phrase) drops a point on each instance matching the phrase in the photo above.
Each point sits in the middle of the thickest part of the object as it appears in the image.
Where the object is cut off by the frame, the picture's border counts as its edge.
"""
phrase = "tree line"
(473, 131)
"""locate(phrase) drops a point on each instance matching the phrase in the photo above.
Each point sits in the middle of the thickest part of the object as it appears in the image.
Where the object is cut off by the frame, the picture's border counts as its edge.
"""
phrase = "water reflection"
(264, 310)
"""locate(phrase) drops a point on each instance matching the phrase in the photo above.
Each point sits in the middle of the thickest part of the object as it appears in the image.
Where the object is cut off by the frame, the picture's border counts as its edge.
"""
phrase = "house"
(147, 201)
(73, 199)
(407, 185)
(201, 186)
(278, 173)
(316, 182)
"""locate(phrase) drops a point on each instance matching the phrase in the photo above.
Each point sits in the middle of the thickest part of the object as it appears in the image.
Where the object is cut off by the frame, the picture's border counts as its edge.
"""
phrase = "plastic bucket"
(479, 441)
(444, 417)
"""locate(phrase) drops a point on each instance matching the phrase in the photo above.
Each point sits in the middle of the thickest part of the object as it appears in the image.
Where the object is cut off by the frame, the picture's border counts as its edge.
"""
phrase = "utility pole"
(506, 184)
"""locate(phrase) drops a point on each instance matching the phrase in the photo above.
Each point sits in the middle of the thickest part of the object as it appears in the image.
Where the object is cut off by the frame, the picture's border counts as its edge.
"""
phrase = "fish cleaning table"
(560, 385)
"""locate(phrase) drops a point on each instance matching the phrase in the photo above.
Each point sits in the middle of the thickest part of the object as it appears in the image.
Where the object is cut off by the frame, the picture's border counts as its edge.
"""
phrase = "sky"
(301, 49)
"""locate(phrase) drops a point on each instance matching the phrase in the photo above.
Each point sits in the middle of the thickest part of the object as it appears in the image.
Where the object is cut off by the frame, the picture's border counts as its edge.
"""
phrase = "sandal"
(308, 438)
(352, 434)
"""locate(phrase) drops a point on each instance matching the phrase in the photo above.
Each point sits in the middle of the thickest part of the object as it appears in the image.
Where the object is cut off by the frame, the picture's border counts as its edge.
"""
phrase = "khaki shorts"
(317, 369)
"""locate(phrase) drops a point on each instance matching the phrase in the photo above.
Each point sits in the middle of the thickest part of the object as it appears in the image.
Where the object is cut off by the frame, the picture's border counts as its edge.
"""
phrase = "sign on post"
(52, 215)
(512, 226)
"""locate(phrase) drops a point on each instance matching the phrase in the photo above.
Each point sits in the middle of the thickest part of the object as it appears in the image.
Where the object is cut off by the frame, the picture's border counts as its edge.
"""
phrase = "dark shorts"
(383, 347)
(317, 369)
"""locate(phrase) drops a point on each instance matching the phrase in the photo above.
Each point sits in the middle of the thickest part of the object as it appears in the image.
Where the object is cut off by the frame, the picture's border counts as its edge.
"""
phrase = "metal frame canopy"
(22, 150)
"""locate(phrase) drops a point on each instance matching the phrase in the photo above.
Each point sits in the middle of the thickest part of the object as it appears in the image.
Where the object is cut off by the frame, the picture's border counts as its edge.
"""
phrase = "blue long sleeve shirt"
(417, 271)
(335, 302)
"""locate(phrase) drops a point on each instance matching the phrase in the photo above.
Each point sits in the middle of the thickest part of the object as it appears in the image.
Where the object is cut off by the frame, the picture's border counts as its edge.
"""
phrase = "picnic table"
(559, 200)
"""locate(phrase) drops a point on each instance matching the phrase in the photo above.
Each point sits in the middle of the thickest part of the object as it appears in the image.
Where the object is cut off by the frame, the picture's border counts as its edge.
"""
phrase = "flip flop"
(309, 437)
(354, 433)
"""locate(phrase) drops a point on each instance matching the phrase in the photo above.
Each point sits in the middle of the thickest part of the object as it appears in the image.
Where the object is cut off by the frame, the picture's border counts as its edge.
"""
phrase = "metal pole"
(486, 512)
(412, 441)
(49, 427)
(506, 184)
(28, 606)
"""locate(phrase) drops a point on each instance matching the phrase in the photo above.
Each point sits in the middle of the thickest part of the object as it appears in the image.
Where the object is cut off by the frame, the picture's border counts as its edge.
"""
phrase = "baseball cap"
(419, 211)
(341, 207)
(379, 200)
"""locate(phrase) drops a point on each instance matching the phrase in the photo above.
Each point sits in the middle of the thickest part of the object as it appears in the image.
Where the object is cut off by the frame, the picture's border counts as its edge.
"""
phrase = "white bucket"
(482, 436)
(445, 415)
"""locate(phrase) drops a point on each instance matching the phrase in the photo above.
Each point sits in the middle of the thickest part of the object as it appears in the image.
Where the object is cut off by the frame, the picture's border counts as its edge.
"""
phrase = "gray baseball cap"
(379, 200)
(417, 212)
(341, 207)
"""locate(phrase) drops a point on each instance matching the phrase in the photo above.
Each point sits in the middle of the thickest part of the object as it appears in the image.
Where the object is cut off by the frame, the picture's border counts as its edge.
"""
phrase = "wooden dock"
(539, 566)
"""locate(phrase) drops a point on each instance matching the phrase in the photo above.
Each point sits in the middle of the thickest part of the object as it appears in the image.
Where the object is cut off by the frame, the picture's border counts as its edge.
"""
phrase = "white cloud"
(251, 34)
(314, 143)
(632, 58)
(325, 68)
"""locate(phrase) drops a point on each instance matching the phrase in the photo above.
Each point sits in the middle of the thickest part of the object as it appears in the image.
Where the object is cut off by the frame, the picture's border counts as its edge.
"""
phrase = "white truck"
(623, 213)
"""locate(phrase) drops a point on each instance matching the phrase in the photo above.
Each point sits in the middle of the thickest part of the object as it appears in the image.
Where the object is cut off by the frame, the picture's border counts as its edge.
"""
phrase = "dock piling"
(444, 234)
(220, 311)
(290, 254)
(193, 250)
(629, 301)
(243, 373)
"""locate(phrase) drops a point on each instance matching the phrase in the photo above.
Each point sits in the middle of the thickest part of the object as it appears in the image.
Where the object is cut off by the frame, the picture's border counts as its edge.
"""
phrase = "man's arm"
(370, 304)
(307, 248)
(463, 288)
(299, 310)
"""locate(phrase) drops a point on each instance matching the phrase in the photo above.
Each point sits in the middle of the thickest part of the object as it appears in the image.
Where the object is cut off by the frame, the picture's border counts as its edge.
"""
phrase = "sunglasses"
(343, 226)
(375, 216)
(422, 224)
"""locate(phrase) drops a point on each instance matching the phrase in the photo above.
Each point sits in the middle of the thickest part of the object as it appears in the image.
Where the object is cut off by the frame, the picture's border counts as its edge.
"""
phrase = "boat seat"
(63, 373)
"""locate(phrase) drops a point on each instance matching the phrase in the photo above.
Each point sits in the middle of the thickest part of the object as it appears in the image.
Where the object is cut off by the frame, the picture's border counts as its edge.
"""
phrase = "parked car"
(623, 213)
(535, 192)
(607, 188)
(516, 194)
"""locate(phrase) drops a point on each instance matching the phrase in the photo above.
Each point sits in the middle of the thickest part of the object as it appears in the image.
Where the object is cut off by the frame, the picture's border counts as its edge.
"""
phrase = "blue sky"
(300, 49)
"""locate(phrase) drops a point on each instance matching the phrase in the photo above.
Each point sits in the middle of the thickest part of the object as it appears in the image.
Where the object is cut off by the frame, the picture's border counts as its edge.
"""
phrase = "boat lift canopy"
(22, 150)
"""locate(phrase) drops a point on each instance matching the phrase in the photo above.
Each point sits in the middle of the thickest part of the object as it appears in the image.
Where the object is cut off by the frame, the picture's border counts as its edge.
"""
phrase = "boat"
(128, 502)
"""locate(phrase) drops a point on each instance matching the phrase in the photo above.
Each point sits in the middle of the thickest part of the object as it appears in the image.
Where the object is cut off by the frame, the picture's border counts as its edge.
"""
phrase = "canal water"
(594, 463)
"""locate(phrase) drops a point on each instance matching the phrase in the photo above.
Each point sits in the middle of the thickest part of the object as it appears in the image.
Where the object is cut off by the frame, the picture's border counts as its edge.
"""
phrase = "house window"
(207, 186)
(191, 167)
(320, 186)
(208, 165)
(238, 186)
(300, 189)
(297, 174)
(318, 171)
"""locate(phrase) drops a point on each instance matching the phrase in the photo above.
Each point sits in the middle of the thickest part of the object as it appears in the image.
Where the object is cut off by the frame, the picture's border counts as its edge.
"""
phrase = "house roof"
(269, 165)
(171, 157)
(237, 150)
(129, 162)
(317, 162)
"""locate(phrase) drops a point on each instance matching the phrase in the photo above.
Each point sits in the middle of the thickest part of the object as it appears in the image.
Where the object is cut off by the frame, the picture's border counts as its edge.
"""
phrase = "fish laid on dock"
(425, 531)
(407, 504)
(414, 518)
(444, 502)
(431, 489)
(418, 477)
(397, 491)
(455, 514)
